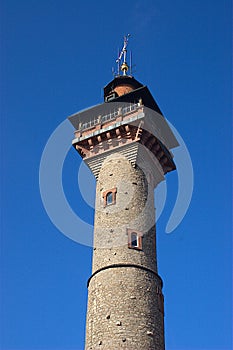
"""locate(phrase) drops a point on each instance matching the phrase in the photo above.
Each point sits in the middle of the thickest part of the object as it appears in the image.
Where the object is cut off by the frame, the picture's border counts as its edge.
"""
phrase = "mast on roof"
(121, 60)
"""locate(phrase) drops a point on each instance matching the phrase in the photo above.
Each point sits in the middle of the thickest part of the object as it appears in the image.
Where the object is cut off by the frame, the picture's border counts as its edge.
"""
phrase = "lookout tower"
(126, 142)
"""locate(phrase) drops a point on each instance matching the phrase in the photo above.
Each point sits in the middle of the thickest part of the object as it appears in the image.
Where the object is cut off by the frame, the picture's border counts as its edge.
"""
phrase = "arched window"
(134, 239)
(109, 196)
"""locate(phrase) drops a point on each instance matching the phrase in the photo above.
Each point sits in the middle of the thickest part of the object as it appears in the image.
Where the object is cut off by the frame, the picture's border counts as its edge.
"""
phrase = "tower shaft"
(125, 302)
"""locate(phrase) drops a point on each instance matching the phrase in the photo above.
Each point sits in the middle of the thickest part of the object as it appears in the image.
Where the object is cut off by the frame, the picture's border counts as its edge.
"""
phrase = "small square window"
(134, 239)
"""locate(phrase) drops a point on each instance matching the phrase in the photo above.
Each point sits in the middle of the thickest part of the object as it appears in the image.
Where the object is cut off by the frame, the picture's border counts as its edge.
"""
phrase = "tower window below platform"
(109, 197)
(134, 239)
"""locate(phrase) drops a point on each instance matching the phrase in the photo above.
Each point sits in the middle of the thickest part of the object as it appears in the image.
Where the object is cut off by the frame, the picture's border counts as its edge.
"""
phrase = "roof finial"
(123, 66)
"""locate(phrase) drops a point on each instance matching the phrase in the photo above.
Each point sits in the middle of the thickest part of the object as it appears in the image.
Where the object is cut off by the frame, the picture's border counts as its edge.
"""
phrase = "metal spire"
(123, 66)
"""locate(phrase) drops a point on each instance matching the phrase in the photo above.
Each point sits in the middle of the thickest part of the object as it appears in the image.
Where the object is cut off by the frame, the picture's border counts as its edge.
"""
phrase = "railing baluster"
(111, 116)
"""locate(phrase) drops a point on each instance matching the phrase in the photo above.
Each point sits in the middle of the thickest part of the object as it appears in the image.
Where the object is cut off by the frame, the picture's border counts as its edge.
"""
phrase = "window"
(134, 239)
(109, 197)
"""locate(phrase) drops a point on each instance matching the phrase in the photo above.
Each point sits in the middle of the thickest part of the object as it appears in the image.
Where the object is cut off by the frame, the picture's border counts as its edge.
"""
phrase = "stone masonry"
(125, 301)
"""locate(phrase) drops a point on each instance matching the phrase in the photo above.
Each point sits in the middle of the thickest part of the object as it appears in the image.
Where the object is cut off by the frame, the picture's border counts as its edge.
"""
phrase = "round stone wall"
(125, 302)
(124, 310)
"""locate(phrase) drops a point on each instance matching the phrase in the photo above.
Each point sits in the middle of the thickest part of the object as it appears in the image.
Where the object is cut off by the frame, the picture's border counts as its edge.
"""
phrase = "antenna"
(130, 63)
(118, 63)
(131, 66)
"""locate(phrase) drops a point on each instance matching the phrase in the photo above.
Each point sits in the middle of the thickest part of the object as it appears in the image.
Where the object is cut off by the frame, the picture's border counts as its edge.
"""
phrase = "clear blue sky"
(56, 56)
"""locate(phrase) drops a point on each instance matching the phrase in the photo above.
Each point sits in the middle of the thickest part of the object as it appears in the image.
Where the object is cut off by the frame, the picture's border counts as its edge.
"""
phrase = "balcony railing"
(108, 117)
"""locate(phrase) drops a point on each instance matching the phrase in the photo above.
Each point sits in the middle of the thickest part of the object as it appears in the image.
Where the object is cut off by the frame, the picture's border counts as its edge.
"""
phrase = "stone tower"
(126, 143)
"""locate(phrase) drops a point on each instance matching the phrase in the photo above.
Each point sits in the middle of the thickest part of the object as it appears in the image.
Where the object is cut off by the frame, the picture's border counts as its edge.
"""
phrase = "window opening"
(109, 198)
(134, 239)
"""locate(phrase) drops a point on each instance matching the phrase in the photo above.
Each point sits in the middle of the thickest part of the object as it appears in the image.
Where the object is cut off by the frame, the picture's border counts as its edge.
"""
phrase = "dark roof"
(90, 113)
(142, 92)
(121, 80)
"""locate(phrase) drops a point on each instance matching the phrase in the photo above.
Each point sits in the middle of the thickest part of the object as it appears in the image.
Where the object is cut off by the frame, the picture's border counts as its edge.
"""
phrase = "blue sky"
(56, 56)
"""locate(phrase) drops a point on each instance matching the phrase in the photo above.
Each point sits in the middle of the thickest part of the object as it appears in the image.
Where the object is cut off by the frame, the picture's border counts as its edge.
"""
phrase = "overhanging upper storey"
(123, 127)
(128, 119)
